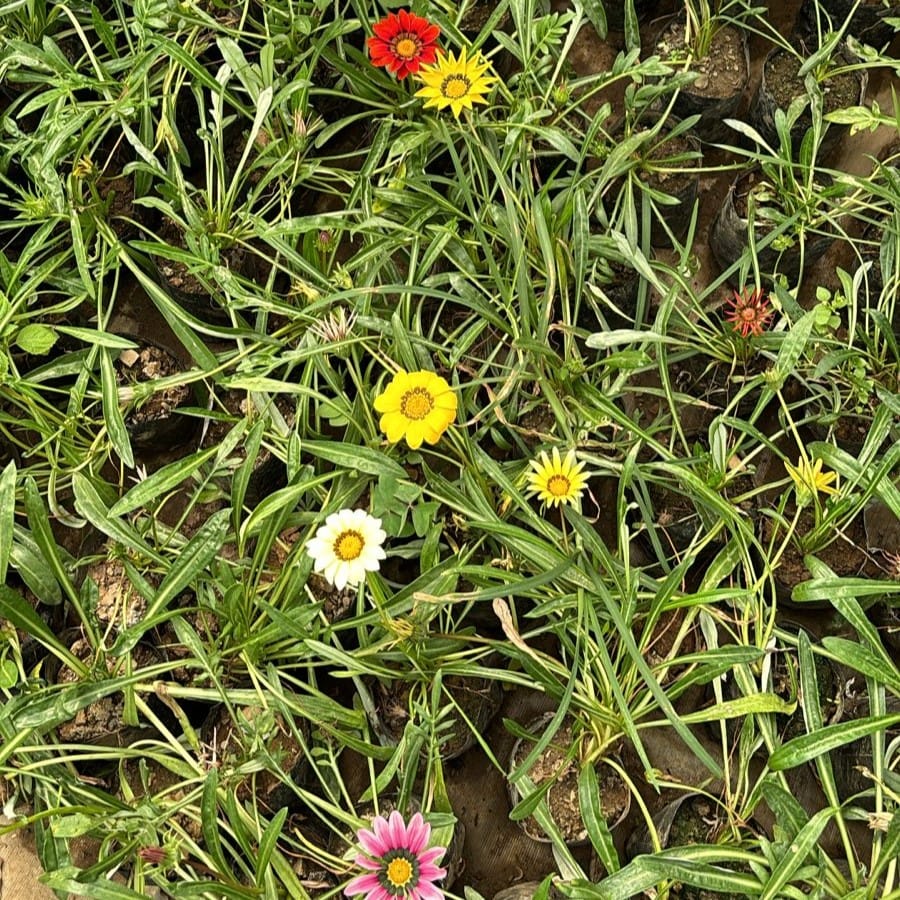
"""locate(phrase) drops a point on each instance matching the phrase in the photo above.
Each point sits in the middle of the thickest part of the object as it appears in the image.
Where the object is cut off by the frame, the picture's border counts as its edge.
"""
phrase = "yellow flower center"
(559, 485)
(348, 545)
(399, 872)
(455, 86)
(406, 47)
(416, 404)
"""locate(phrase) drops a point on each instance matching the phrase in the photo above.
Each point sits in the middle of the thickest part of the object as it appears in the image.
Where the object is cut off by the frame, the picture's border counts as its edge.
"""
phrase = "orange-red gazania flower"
(750, 312)
(402, 42)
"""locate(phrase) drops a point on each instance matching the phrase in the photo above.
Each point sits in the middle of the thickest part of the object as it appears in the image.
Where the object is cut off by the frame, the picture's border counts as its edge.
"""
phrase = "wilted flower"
(750, 312)
(399, 862)
(557, 481)
(403, 42)
(457, 83)
(419, 406)
(347, 546)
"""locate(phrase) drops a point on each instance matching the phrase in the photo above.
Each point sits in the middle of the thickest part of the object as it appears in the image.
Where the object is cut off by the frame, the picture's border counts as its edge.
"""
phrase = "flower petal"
(362, 884)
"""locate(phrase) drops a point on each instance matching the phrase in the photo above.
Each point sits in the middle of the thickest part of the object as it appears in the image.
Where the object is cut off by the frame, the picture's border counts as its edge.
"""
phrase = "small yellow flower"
(419, 406)
(457, 83)
(810, 481)
(556, 480)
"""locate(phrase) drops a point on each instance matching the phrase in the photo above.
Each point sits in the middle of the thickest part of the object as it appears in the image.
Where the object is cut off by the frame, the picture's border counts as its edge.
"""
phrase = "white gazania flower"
(347, 546)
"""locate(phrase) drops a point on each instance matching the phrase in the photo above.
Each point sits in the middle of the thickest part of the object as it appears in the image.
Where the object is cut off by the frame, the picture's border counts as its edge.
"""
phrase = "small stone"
(702, 83)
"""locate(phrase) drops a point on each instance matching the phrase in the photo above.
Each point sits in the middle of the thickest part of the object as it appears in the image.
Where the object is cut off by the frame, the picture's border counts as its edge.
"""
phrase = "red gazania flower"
(403, 42)
(749, 313)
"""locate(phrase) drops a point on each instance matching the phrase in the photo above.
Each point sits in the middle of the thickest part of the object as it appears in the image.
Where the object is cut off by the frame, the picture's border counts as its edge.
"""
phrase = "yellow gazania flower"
(557, 481)
(810, 481)
(419, 406)
(456, 83)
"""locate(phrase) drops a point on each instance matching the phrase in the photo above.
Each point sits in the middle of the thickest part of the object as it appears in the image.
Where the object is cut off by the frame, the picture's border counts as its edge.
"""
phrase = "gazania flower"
(557, 481)
(403, 42)
(347, 546)
(809, 480)
(456, 83)
(399, 863)
(749, 313)
(419, 406)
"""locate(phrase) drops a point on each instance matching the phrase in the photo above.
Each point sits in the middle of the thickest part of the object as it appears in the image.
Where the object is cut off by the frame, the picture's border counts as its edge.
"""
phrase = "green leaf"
(797, 854)
(806, 747)
(36, 339)
(162, 480)
(592, 816)
(112, 412)
(7, 515)
(196, 555)
(863, 660)
(267, 844)
(355, 459)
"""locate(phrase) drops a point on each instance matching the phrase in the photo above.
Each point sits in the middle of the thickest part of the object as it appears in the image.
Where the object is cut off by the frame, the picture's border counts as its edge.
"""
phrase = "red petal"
(403, 17)
(427, 55)
(430, 34)
(387, 28)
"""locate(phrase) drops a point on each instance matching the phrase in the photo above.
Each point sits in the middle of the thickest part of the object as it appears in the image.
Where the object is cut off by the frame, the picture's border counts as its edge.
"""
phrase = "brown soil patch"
(150, 363)
(562, 797)
(783, 82)
(721, 73)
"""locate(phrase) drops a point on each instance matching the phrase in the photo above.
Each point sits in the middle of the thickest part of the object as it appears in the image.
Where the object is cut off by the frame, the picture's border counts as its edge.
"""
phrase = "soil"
(235, 742)
(721, 73)
(102, 720)
(177, 274)
(782, 81)
(846, 555)
(562, 797)
(119, 192)
(479, 699)
(119, 605)
(150, 363)
(662, 173)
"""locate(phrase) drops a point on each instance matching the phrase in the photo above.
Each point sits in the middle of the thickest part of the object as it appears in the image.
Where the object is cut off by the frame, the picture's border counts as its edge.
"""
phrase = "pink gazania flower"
(398, 864)
(750, 312)
(403, 42)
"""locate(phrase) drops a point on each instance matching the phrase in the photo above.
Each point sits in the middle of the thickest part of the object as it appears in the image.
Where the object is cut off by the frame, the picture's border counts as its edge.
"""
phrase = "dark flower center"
(399, 873)
(406, 45)
(558, 485)
(416, 404)
(455, 86)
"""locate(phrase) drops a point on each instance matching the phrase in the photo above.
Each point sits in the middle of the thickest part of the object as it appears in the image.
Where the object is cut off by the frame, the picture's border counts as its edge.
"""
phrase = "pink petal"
(373, 865)
(427, 891)
(397, 831)
(363, 884)
(379, 894)
(432, 855)
(372, 843)
(417, 834)
(431, 873)
(383, 833)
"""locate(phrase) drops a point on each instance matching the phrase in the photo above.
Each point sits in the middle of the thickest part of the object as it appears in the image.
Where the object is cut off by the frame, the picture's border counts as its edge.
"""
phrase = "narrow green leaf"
(196, 555)
(355, 459)
(592, 816)
(267, 844)
(162, 480)
(7, 515)
(90, 504)
(863, 660)
(209, 820)
(112, 411)
(806, 747)
(796, 854)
